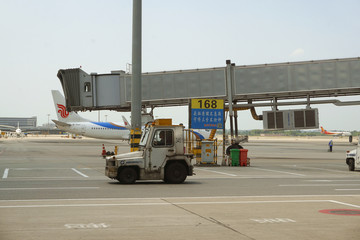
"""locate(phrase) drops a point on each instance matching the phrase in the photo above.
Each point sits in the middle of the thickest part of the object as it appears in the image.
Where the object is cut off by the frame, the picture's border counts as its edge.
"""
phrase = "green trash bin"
(235, 157)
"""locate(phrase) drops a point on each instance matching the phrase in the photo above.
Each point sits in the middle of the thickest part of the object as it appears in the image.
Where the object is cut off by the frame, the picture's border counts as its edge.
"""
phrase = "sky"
(39, 37)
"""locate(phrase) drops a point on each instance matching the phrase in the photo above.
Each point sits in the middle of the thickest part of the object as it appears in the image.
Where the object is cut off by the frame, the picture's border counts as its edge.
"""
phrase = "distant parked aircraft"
(341, 134)
(335, 133)
(11, 130)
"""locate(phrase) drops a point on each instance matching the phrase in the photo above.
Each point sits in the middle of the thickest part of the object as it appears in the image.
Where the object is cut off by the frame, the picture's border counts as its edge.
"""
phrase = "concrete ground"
(55, 188)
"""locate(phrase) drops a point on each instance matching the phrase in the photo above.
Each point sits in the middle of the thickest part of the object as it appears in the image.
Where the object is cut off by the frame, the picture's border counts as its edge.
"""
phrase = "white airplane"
(73, 123)
(200, 134)
(339, 134)
(17, 132)
(343, 134)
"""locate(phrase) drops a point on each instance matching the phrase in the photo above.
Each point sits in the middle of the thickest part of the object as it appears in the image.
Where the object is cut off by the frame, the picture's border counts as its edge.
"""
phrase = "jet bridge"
(248, 86)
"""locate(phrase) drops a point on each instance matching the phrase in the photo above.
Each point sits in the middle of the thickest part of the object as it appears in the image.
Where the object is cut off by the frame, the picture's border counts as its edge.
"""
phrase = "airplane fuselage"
(102, 130)
(343, 134)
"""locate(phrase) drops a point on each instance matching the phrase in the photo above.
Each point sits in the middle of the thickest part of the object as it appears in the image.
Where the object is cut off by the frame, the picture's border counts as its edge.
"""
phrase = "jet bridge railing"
(193, 145)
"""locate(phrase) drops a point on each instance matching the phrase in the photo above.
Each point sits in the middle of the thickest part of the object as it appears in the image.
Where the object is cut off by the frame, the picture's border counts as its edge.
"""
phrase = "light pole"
(48, 125)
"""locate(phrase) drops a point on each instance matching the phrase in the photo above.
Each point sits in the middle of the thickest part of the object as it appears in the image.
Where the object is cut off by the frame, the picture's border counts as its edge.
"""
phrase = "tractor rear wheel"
(351, 164)
(175, 173)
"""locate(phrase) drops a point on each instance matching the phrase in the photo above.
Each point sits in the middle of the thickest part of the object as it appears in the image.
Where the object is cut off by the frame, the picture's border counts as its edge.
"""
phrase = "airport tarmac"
(55, 188)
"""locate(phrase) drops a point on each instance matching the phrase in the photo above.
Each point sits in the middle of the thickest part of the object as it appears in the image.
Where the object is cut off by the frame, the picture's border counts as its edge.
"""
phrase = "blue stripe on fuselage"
(199, 135)
(109, 125)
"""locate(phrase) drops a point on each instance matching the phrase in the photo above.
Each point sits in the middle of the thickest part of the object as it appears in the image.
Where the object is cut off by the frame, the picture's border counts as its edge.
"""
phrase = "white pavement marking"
(296, 174)
(167, 203)
(80, 173)
(318, 185)
(321, 180)
(323, 169)
(87, 226)
(273, 220)
(346, 204)
(29, 169)
(6, 173)
(334, 180)
(207, 170)
(347, 189)
(185, 198)
(56, 188)
(66, 178)
(328, 170)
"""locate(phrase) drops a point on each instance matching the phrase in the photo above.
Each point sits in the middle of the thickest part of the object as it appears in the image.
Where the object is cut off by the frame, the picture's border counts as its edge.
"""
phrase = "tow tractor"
(353, 158)
(161, 156)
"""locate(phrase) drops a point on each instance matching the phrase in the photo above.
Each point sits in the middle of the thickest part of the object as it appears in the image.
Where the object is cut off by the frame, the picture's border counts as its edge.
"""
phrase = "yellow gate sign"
(207, 113)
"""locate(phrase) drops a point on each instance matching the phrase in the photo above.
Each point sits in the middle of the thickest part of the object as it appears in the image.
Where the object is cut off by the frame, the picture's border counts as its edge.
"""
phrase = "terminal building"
(23, 122)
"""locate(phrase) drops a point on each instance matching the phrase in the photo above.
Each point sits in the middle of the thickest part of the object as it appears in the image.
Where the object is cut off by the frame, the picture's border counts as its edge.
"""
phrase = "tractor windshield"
(144, 137)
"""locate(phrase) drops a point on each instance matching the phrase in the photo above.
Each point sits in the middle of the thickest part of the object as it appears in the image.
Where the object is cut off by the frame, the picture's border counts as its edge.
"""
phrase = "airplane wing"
(59, 123)
(7, 127)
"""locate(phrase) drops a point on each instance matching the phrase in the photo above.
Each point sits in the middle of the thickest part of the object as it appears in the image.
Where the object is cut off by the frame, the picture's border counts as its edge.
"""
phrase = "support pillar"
(230, 95)
(136, 77)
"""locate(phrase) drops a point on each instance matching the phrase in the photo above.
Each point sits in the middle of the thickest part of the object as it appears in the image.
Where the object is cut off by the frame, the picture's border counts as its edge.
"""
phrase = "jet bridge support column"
(223, 163)
(229, 74)
(136, 78)
(236, 123)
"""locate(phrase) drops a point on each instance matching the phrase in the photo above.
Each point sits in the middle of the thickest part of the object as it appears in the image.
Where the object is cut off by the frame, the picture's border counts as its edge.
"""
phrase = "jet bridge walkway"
(253, 85)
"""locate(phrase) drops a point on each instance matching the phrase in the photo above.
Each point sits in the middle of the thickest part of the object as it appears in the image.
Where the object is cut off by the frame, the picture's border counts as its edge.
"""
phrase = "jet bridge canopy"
(338, 77)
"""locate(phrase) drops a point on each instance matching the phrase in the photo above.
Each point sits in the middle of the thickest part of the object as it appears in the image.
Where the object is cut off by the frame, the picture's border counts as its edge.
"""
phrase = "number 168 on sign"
(207, 103)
